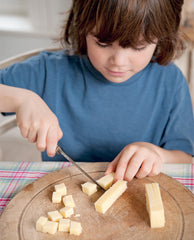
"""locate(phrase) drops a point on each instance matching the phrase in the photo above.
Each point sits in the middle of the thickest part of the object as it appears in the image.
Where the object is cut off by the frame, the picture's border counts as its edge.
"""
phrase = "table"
(14, 176)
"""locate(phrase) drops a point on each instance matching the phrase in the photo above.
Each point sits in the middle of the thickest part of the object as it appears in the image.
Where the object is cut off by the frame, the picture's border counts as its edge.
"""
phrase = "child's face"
(115, 63)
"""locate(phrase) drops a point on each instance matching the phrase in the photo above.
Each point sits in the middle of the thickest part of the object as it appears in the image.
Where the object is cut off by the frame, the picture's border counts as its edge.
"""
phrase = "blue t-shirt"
(98, 117)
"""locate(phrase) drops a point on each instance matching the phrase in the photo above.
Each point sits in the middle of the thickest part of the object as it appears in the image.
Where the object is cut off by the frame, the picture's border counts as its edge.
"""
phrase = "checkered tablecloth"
(14, 176)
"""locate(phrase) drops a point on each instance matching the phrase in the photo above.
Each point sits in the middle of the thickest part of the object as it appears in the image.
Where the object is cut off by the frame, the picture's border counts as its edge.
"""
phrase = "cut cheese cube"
(68, 201)
(75, 228)
(89, 188)
(40, 223)
(154, 205)
(56, 197)
(110, 196)
(66, 212)
(50, 227)
(106, 181)
(61, 188)
(54, 216)
(64, 225)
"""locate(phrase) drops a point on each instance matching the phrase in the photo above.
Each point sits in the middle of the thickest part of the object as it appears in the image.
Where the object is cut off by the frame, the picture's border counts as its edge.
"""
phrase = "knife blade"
(59, 150)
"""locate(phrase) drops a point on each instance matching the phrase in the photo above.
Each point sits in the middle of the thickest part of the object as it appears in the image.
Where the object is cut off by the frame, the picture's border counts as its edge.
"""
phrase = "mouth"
(116, 73)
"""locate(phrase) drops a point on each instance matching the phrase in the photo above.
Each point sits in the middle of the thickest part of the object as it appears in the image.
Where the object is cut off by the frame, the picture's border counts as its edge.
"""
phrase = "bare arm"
(36, 121)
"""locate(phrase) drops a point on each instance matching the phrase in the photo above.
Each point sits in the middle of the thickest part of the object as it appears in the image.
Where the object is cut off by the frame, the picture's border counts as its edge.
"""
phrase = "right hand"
(38, 123)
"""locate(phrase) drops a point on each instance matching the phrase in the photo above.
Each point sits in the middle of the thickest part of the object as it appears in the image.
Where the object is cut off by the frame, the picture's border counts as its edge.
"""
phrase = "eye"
(103, 45)
(139, 48)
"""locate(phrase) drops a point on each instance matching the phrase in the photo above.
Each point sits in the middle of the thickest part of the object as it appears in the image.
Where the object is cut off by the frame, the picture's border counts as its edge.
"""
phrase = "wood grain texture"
(125, 219)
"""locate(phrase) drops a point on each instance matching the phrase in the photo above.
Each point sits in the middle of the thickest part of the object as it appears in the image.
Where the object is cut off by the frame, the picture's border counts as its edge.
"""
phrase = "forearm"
(174, 156)
(11, 97)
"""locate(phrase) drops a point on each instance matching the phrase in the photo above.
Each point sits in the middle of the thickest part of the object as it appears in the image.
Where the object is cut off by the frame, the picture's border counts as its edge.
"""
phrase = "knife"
(59, 150)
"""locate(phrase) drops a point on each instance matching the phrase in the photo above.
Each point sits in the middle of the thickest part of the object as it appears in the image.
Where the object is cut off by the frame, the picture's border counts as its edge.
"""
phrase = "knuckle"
(135, 165)
(32, 140)
(24, 131)
(155, 171)
(35, 125)
(128, 178)
(145, 172)
(40, 147)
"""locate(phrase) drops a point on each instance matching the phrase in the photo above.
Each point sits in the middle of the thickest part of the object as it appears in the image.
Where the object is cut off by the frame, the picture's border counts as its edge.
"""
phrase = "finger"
(156, 169)
(41, 139)
(51, 141)
(60, 134)
(123, 161)
(24, 129)
(24, 132)
(112, 166)
(145, 169)
(32, 135)
(133, 167)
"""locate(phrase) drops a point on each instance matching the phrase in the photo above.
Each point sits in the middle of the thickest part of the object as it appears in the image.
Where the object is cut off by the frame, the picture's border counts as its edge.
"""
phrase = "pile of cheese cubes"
(59, 220)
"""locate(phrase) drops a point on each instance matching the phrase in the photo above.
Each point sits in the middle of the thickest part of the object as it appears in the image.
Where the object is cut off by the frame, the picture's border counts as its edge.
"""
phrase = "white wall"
(12, 44)
(36, 29)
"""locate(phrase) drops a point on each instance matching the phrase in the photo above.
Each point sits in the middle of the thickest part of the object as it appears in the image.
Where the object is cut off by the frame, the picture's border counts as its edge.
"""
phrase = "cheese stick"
(154, 205)
(106, 181)
(110, 196)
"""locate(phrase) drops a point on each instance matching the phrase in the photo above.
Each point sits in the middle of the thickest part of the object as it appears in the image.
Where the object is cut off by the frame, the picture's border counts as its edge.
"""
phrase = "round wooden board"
(127, 218)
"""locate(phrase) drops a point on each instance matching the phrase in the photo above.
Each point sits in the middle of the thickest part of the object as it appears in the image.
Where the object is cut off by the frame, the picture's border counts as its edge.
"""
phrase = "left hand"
(138, 159)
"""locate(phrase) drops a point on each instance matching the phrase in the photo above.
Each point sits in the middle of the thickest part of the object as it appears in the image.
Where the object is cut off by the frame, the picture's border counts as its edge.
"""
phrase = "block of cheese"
(50, 227)
(54, 216)
(77, 215)
(64, 225)
(40, 222)
(56, 197)
(110, 196)
(68, 201)
(89, 188)
(106, 181)
(66, 212)
(154, 205)
(61, 188)
(75, 228)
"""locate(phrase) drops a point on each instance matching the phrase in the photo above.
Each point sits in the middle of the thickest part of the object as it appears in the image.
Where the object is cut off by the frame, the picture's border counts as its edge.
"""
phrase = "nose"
(119, 57)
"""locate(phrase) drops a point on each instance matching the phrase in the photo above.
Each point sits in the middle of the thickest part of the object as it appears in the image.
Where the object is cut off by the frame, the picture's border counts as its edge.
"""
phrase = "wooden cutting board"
(126, 219)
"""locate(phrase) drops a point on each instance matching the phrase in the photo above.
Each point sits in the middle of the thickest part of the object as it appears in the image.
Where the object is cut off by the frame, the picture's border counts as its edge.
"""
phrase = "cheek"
(95, 56)
(141, 60)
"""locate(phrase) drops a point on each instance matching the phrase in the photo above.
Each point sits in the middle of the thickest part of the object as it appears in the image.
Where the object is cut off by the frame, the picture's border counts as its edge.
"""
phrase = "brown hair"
(126, 21)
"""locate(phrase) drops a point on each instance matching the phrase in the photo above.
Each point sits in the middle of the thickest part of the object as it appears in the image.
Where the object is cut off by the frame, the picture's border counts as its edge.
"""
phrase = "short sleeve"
(179, 131)
(29, 74)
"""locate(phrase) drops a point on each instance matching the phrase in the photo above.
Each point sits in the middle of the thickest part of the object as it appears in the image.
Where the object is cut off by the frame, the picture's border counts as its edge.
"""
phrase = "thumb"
(112, 166)
(60, 133)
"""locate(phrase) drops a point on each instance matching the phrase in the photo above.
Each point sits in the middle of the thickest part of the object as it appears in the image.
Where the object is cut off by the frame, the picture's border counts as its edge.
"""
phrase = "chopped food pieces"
(40, 222)
(58, 219)
(67, 212)
(75, 228)
(110, 196)
(56, 197)
(89, 188)
(64, 225)
(154, 205)
(68, 201)
(106, 181)
(61, 188)
(50, 227)
(54, 216)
